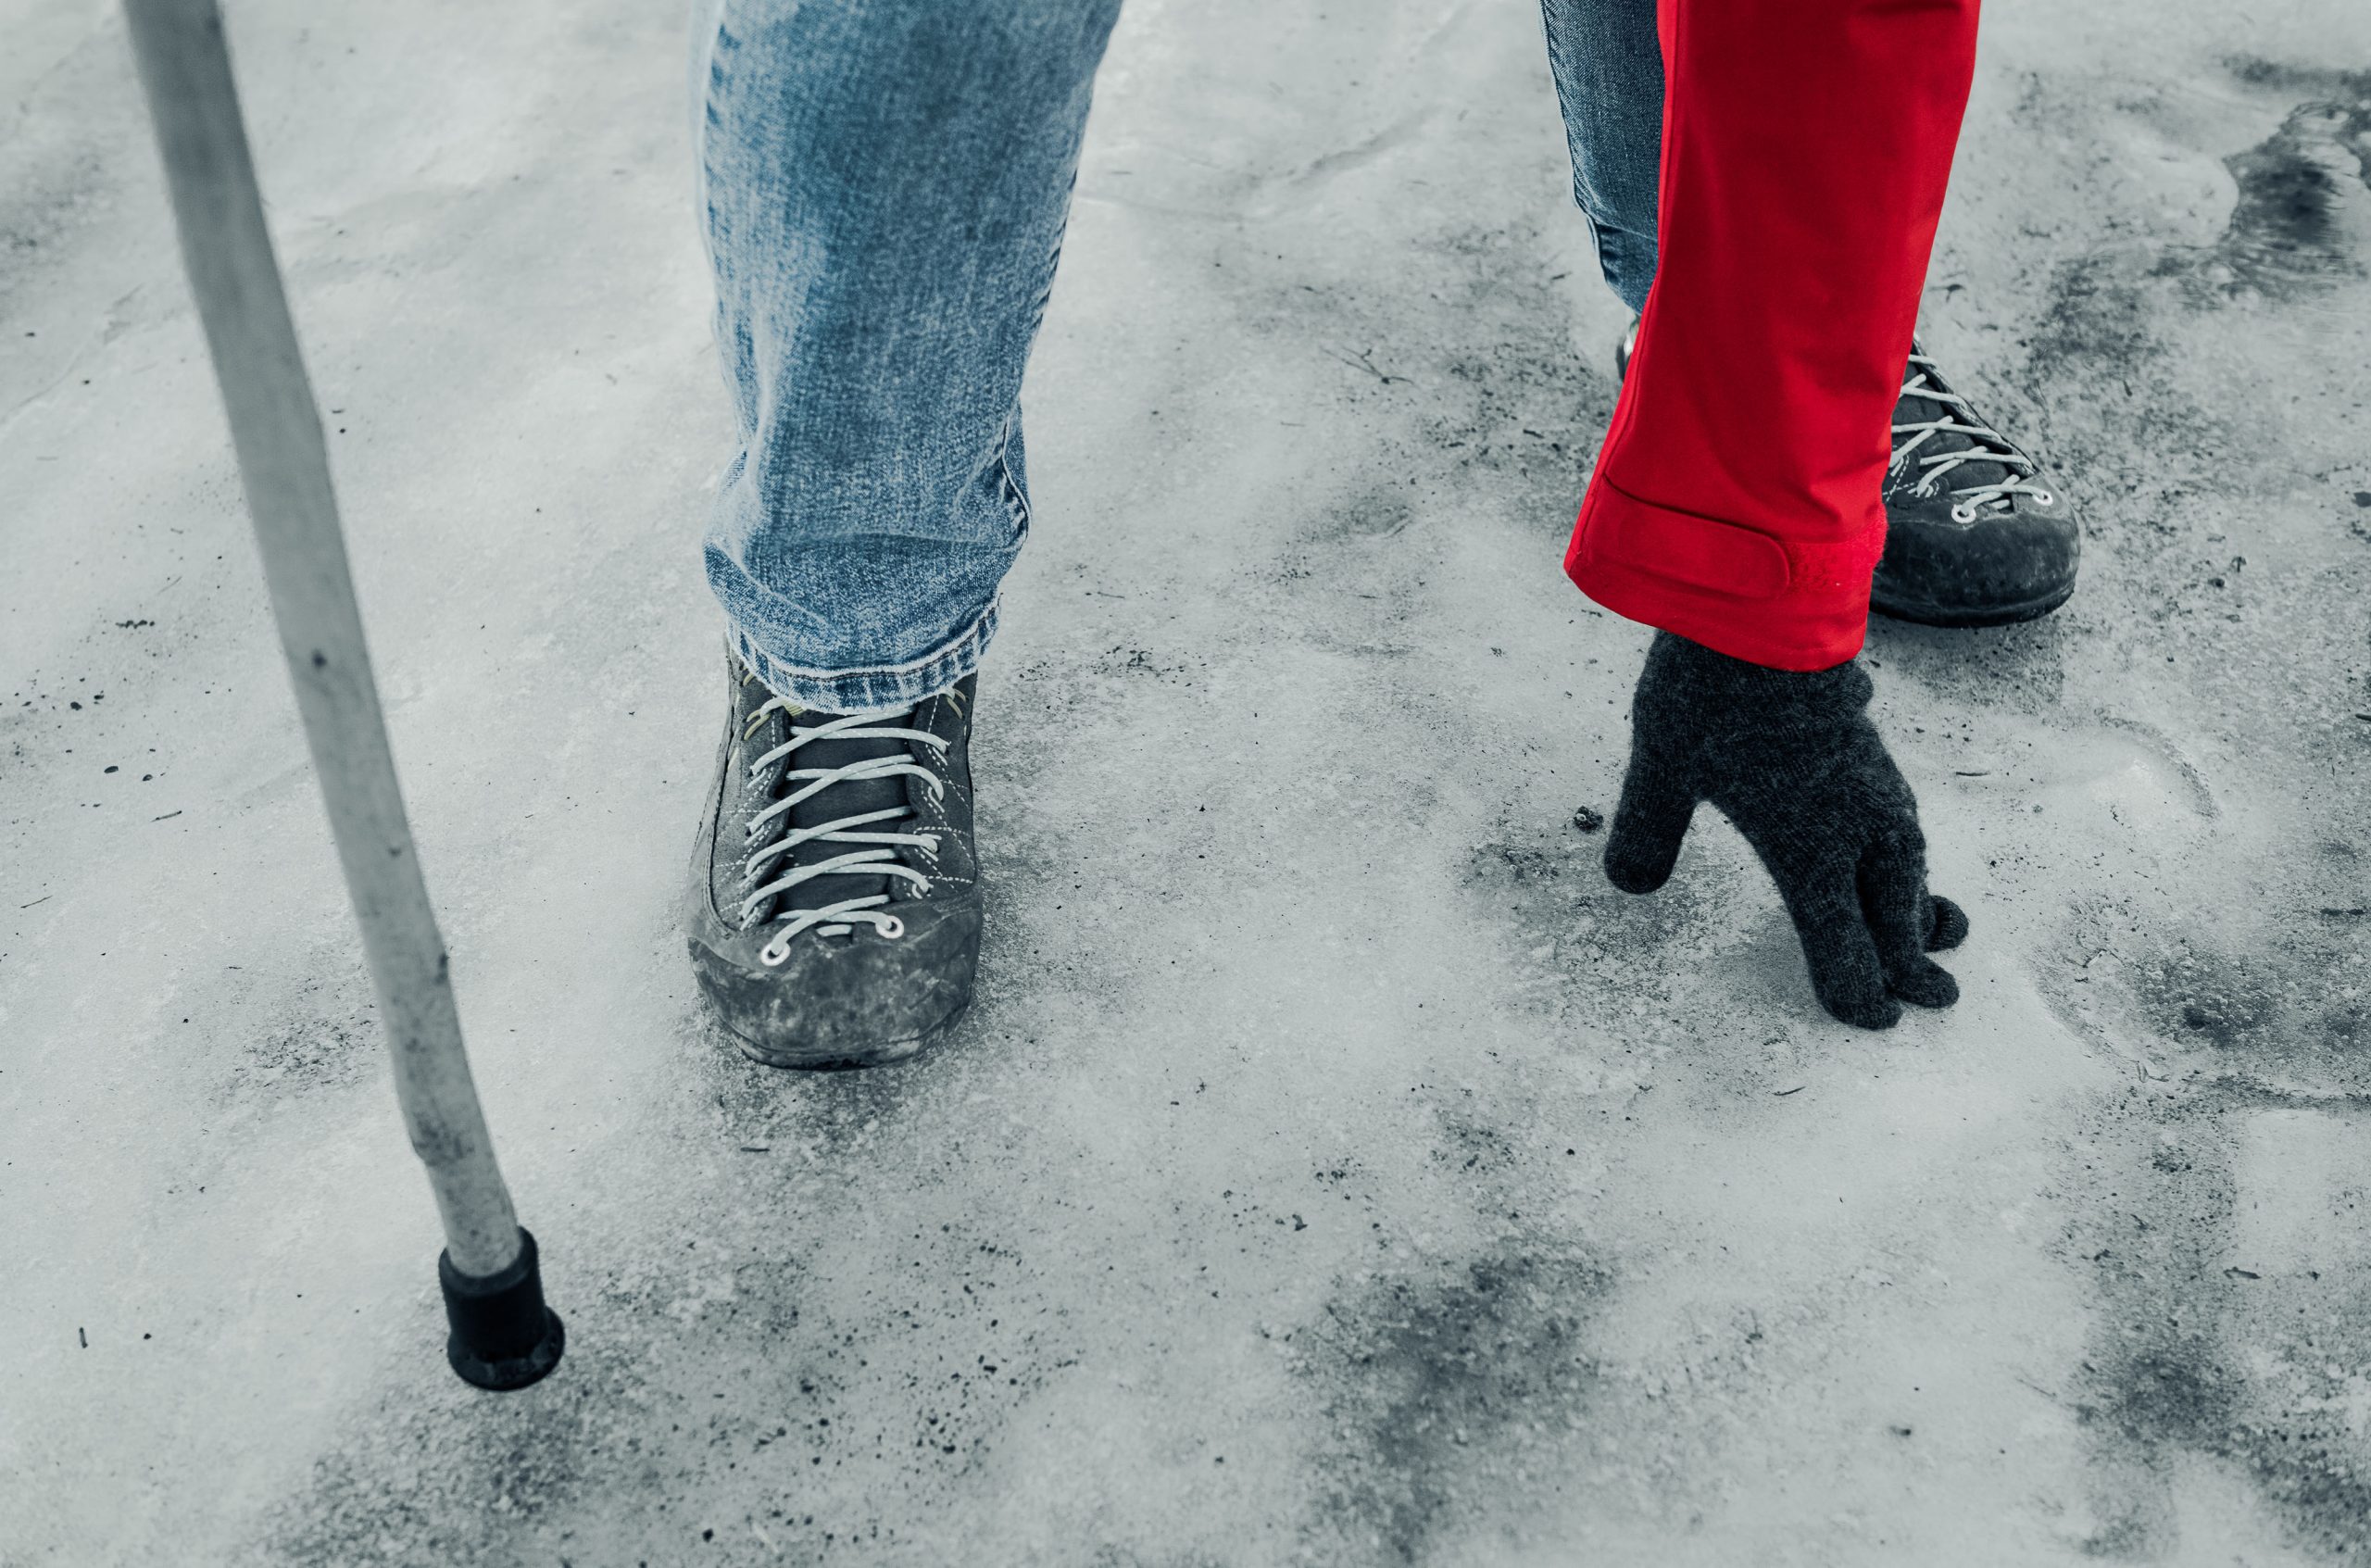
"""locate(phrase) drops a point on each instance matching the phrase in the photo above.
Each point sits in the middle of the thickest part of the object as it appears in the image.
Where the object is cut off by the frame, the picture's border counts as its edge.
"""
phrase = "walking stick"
(503, 1335)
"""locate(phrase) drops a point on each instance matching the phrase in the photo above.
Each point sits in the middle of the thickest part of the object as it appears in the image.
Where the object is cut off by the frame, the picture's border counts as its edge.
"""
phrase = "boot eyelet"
(892, 928)
(1963, 514)
(2043, 497)
(773, 955)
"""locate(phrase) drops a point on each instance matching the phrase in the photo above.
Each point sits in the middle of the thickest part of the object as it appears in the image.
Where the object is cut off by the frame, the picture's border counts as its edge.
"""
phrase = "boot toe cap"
(1999, 568)
(857, 1000)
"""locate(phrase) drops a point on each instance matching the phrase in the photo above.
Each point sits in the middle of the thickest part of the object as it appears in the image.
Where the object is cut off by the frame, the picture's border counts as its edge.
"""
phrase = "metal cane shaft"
(284, 465)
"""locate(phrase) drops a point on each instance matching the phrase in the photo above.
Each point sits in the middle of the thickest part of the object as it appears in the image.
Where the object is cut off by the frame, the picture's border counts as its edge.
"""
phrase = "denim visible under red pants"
(1806, 146)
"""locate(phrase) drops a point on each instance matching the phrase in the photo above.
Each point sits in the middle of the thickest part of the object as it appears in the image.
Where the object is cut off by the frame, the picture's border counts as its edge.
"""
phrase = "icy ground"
(1334, 1170)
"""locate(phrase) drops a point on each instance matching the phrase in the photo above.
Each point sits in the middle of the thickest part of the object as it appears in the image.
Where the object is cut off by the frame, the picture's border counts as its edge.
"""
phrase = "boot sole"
(1957, 620)
(884, 1053)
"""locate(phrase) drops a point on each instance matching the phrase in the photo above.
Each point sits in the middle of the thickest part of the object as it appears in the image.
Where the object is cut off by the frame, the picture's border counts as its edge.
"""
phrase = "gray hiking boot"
(1975, 535)
(835, 909)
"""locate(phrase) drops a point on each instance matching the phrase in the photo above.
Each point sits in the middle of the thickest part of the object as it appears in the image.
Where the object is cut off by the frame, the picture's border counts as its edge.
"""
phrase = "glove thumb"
(1648, 827)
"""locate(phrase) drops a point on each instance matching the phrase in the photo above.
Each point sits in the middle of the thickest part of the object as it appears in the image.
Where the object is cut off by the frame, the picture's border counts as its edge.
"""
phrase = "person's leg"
(1806, 148)
(1608, 70)
(883, 186)
(1974, 534)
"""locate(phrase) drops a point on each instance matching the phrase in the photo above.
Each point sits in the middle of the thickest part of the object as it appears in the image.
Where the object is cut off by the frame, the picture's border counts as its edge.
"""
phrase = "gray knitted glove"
(1793, 761)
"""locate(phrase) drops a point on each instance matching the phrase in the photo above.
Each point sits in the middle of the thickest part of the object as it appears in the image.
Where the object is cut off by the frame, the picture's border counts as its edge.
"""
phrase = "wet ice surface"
(1335, 1169)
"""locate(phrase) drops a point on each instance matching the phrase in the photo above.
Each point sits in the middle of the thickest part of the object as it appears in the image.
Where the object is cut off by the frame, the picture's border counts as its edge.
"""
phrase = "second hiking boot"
(1973, 535)
(835, 909)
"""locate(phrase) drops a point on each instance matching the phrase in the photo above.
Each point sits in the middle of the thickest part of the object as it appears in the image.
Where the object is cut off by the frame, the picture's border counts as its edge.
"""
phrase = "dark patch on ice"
(2192, 1354)
(61, 166)
(1521, 405)
(1474, 1149)
(303, 1021)
(1377, 513)
(2096, 354)
(316, 1050)
(1488, 398)
(1488, 410)
(2322, 82)
(2172, 1389)
(2277, 1014)
(706, 1387)
(1451, 1393)
(2201, 1346)
(2304, 201)
(2094, 319)
(2300, 219)
(446, 1474)
(2211, 998)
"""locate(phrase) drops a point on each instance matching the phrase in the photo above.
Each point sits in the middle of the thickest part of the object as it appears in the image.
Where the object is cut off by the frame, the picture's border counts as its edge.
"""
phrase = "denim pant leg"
(1608, 70)
(882, 186)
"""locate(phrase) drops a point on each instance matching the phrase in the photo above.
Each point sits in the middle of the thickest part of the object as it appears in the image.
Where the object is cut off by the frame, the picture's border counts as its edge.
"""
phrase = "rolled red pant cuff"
(1789, 604)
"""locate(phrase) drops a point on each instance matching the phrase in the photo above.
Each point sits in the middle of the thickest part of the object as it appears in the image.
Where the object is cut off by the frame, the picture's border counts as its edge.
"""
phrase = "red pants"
(1806, 146)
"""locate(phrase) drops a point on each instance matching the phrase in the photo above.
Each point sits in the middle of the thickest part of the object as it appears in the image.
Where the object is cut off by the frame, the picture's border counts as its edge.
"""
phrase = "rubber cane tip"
(503, 1374)
(503, 1335)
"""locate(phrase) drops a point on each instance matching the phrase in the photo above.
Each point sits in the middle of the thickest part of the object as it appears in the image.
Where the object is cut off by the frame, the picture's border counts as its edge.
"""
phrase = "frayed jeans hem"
(875, 688)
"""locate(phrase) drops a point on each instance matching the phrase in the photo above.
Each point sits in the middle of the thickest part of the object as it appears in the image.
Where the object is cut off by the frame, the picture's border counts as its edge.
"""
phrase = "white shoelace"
(770, 835)
(1985, 446)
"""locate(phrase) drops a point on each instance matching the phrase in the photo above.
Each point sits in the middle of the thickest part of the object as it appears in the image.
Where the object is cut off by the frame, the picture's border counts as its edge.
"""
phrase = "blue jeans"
(883, 185)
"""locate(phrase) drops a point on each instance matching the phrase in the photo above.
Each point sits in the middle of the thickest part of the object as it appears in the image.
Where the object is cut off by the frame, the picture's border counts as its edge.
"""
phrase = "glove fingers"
(1892, 878)
(1846, 973)
(1648, 827)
